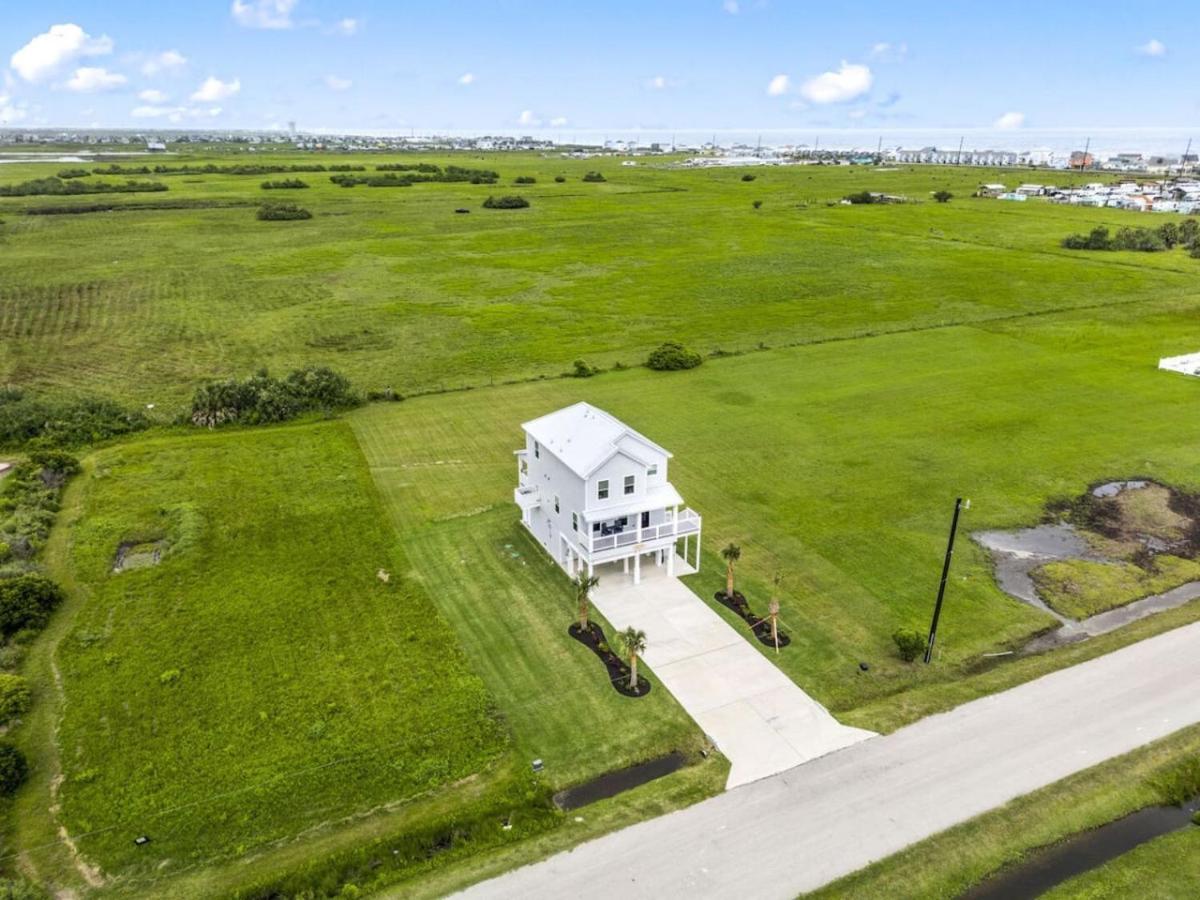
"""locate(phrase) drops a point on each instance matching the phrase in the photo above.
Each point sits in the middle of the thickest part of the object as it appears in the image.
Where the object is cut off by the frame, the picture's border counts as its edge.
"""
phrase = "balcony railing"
(687, 522)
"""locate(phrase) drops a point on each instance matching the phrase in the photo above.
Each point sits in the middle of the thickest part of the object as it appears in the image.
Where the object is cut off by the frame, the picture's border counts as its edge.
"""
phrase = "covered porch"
(672, 545)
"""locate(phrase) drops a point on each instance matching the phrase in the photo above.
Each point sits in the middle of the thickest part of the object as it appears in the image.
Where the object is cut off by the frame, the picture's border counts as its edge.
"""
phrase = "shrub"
(862, 197)
(594, 177)
(13, 768)
(15, 697)
(757, 204)
(559, 179)
(672, 356)
(282, 212)
(285, 184)
(943, 196)
(525, 179)
(508, 202)
(261, 399)
(27, 601)
(910, 643)
(25, 418)
(387, 395)
(73, 173)
(748, 177)
(583, 370)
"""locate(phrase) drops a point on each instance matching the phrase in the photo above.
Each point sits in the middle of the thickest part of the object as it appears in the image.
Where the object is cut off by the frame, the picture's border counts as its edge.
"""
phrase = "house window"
(556, 502)
(630, 483)
(537, 450)
(574, 521)
(652, 471)
(602, 489)
(524, 467)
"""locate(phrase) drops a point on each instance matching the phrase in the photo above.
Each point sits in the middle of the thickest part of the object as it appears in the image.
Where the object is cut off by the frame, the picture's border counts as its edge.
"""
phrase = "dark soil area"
(612, 783)
(761, 627)
(618, 670)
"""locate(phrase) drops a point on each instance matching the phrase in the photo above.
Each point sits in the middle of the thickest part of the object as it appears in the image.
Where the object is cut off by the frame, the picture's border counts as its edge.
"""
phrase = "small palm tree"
(633, 644)
(583, 585)
(731, 555)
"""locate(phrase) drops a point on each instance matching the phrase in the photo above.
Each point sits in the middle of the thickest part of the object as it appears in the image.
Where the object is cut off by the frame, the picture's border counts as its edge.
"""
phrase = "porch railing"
(687, 522)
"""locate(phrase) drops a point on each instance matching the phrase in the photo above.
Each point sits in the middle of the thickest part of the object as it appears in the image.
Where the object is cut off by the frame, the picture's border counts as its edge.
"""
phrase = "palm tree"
(730, 554)
(633, 644)
(583, 585)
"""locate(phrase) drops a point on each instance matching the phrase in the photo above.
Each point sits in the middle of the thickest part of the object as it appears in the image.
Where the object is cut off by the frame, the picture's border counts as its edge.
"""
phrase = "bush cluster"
(524, 179)
(385, 180)
(400, 175)
(910, 643)
(262, 399)
(29, 498)
(26, 420)
(40, 187)
(429, 168)
(582, 369)
(511, 201)
(15, 697)
(213, 169)
(559, 179)
(862, 198)
(26, 602)
(594, 176)
(13, 768)
(284, 184)
(1147, 240)
(282, 212)
(672, 356)
(748, 177)
(73, 173)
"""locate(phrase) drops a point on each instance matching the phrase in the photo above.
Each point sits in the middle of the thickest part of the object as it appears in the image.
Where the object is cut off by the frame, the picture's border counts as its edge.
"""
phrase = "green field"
(266, 708)
(391, 287)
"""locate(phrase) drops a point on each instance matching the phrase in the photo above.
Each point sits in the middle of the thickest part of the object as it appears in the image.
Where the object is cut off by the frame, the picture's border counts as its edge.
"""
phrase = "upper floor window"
(652, 471)
(524, 466)
(574, 521)
(556, 502)
(602, 489)
(537, 450)
(630, 483)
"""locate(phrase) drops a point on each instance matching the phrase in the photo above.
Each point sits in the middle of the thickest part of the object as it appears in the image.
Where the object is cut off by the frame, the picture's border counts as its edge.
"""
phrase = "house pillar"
(591, 569)
(697, 551)
(637, 568)
(625, 564)
(671, 560)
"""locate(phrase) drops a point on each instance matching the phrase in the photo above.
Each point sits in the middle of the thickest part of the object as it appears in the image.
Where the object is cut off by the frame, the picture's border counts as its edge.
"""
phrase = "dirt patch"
(139, 555)
(618, 671)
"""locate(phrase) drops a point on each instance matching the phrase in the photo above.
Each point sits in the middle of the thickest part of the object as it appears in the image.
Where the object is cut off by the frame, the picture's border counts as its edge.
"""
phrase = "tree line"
(39, 187)
(1147, 240)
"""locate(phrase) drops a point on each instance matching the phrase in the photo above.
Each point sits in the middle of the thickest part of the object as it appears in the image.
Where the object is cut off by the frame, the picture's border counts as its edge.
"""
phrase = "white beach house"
(592, 491)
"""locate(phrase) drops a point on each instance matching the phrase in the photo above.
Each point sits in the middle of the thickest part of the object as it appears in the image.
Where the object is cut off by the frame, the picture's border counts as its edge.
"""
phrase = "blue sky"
(529, 67)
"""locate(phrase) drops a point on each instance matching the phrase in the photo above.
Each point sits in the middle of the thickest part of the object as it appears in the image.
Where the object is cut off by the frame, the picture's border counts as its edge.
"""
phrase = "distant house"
(1188, 364)
(591, 491)
(156, 147)
(1013, 195)
(1031, 190)
(991, 190)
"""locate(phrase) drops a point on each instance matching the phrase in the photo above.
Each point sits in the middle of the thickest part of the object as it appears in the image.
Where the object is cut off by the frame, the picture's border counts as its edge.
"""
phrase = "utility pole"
(958, 159)
(937, 608)
(1087, 145)
(1183, 159)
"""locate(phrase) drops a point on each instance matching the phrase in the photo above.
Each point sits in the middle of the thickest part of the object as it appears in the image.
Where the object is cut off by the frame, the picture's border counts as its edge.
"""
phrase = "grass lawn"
(394, 289)
(1079, 588)
(949, 863)
(837, 465)
(260, 680)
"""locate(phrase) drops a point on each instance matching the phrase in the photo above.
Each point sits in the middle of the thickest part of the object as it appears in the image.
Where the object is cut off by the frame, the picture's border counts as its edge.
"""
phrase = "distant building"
(156, 147)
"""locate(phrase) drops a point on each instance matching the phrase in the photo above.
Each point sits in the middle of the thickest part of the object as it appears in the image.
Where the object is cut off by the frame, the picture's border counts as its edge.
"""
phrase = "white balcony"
(612, 546)
(527, 498)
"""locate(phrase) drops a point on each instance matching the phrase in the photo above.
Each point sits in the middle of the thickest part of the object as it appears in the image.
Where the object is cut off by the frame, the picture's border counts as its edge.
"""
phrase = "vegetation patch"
(673, 356)
(262, 399)
(510, 201)
(286, 184)
(619, 674)
(27, 420)
(29, 500)
(1163, 237)
(593, 177)
(58, 187)
(282, 212)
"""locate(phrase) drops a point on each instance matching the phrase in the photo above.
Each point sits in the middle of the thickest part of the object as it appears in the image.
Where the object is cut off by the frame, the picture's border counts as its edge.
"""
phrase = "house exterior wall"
(552, 477)
(615, 471)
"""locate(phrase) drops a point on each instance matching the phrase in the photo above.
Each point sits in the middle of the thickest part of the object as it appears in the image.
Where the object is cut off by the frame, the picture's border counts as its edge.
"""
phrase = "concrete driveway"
(845, 810)
(755, 714)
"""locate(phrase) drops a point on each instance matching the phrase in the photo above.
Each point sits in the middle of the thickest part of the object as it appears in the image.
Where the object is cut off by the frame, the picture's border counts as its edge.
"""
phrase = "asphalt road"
(800, 829)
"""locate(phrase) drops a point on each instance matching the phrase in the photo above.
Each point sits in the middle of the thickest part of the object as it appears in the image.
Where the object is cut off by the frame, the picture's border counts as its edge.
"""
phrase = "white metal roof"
(584, 437)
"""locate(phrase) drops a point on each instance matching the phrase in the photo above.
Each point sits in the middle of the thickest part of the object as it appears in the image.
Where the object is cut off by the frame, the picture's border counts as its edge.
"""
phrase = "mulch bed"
(760, 627)
(618, 671)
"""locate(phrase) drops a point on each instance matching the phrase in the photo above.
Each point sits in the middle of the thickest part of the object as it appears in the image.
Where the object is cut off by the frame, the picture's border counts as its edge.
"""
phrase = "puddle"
(1017, 553)
(615, 782)
(139, 556)
(1083, 853)
(1115, 487)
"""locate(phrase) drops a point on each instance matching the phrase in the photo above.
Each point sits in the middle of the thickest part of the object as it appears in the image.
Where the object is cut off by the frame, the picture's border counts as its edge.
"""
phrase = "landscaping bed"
(761, 627)
(618, 670)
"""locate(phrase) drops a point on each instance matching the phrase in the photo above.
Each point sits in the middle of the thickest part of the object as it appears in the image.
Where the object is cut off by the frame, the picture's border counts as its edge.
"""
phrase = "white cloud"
(167, 61)
(558, 121)
(849, 81)
(337, 83)
(9, 112)
(51, 50)
(348, 27)
(466, 78)
(263, 13)
(150, 95)
(89, 79)
(885, 51)
(857, 113)
(778, 86)
(731, 7)
(1152, 47)
(1010, 121)
(528, 118)
(214, 89)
